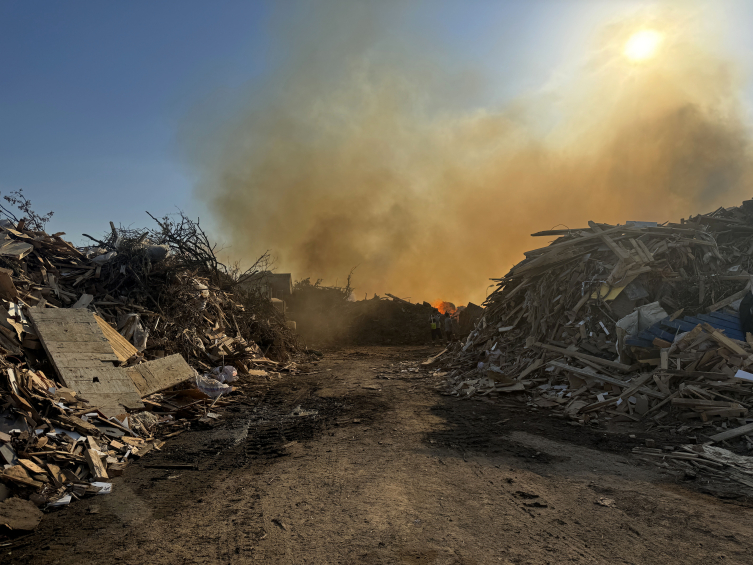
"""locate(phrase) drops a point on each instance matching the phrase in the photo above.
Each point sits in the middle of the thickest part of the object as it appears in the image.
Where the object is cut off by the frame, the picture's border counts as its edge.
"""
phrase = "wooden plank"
(646, 252)
(639, 250)
(725, 341)
(729, 300)
(577, 354)
(663, 402)
(558, 232)
(721, 323)
(32, 467)
(530, 369)
(615, 247)
(96, 467)
(703, 404)
(599, 405)
(588, 237)
(604, 378)
(123, 348)
(733, 433)
(157, 375)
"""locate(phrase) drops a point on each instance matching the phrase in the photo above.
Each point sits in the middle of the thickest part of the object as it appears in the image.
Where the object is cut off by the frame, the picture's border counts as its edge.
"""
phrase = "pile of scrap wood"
(323, 320)
(636, 322)
(58, 447)
(105, 349)
(162, 289)
(328, 315)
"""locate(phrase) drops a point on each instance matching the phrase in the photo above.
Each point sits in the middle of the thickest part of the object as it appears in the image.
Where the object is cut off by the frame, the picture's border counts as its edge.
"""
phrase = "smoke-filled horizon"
(359, 152)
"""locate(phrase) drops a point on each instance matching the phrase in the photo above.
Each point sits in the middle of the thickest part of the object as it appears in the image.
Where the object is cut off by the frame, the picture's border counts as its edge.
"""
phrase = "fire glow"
(444, 307)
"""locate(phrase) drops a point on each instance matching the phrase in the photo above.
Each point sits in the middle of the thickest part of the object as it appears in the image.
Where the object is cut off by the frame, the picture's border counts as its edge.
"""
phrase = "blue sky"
(94, 94)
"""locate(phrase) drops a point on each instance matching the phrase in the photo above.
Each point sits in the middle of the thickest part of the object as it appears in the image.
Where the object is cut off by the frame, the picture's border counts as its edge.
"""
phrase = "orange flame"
(444, 307)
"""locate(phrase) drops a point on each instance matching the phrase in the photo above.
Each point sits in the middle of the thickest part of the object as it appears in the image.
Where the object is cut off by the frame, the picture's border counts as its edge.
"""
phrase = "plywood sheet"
(84, 359)
(157, 375)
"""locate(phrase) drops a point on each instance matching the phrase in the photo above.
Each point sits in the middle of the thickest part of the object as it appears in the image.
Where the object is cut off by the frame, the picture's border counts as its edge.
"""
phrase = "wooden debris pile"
(57, 448)
(329, 316)
(705, 460)
(162, 289)
(169, 284)
(94, 344)
(636, 322)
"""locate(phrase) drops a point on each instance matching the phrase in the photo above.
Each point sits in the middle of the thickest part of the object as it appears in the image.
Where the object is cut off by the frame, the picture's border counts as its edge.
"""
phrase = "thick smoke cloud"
(354, 153)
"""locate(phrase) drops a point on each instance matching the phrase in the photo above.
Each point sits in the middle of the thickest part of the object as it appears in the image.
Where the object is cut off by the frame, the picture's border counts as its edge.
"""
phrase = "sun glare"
(642, 45)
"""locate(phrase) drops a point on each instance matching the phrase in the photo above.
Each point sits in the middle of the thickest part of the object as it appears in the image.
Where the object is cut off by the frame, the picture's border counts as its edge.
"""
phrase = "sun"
(642, 45)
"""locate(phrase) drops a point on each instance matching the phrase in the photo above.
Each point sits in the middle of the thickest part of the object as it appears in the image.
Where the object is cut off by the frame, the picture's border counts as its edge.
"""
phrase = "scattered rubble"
(637, 323)
(109, 351)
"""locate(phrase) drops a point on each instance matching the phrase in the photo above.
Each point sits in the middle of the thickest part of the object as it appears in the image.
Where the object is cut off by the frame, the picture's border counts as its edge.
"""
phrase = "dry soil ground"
(388, 471)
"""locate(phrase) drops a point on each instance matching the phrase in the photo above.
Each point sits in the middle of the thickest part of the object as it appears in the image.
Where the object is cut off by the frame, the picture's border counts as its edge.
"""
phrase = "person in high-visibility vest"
(436, 327)
(448, 329)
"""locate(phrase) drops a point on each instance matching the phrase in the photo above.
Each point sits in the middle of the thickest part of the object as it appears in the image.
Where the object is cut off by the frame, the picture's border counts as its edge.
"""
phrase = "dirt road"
(347, 466)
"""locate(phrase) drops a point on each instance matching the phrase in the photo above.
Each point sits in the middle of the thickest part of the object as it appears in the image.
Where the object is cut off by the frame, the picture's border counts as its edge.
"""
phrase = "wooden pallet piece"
(83, 358)
(157, 375)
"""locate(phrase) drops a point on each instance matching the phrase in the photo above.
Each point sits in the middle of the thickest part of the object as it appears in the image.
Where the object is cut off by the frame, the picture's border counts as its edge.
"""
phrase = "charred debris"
(109, 350)
(637, 323)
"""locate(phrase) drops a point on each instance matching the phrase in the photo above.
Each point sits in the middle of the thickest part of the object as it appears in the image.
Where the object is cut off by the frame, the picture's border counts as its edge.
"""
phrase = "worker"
(448, 328)
(436, 326)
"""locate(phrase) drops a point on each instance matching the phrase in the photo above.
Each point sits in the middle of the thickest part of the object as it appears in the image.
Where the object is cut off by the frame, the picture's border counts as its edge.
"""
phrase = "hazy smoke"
(354, 154)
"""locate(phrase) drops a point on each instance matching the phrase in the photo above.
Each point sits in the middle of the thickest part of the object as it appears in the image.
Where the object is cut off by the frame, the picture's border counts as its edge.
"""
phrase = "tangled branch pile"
(170, 281)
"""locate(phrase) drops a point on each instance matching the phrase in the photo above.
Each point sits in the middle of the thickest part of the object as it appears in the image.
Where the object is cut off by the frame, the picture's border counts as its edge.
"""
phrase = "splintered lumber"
(32, 467)
(616, 248)
(157, 375)
(733, 433)
(604, 378)
(433, 360)
(84, 359)
(729, 300)
(531, 368)
(56, 474)
(725, 341)
(122, 348)
(663, 402)
(700, 404)
(598, 360)
(96, 467)
(636, 384)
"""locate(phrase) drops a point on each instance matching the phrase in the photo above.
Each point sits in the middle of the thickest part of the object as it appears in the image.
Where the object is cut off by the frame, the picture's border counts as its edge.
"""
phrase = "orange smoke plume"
(348, 156)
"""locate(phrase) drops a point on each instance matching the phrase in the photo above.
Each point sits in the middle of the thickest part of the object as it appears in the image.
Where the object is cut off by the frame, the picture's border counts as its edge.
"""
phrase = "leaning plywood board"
(84, 359)
(120, 345)
(157, 375)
